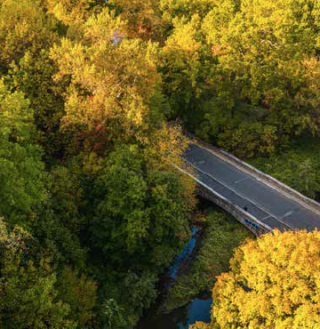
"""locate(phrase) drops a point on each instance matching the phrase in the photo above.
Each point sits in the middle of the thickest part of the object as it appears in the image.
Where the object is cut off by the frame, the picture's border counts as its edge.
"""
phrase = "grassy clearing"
(298, 166)
(222, 234)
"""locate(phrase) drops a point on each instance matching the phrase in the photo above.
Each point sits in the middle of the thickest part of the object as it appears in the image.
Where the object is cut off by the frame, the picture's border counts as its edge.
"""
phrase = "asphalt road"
(260, 200)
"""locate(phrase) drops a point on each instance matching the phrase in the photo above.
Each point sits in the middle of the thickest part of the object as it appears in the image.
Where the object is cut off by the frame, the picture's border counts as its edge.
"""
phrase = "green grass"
(222, 234)
(298, 166)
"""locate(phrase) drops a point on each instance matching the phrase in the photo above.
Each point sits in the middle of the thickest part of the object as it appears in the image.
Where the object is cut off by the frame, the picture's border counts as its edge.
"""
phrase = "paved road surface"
(260, 200)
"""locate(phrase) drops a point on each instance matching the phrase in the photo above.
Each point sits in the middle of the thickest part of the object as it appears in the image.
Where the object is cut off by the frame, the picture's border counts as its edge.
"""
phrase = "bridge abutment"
(252, 223)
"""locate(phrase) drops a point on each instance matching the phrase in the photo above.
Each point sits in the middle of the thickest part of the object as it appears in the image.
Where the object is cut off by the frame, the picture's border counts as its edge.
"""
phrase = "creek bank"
(182, 258)
(186, 297)
(221, 235)
(181, 318)
(159, 317)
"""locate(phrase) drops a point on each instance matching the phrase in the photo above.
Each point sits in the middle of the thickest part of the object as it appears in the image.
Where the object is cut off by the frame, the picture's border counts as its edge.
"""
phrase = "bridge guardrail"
(252, 223)
(266, 179)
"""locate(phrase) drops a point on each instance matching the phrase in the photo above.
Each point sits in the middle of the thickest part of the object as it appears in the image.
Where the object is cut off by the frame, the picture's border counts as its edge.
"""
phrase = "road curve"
(265, 203)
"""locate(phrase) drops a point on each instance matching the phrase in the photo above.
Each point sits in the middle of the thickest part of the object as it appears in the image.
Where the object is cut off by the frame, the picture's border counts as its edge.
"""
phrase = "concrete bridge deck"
(262, 202)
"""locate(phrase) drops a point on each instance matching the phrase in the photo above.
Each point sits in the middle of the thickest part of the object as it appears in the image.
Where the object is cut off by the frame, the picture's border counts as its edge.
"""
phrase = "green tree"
(243, 70)
(183, 67)
(21, 169)
(80, 292)
(122, 305)
(28, 298)
(139, 213)
(263, 49)
(59, 220)
(33, 75)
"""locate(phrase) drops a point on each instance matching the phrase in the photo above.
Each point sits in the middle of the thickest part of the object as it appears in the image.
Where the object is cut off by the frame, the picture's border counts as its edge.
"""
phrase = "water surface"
(185, 253)
(197, 310)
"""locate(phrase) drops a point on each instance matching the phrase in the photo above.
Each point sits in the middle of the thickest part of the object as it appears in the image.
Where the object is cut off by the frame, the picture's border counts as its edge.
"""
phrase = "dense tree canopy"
(247, 71)
(273, 283)
(28, 296)
(20, 159)
(92, 206)
(138, 210)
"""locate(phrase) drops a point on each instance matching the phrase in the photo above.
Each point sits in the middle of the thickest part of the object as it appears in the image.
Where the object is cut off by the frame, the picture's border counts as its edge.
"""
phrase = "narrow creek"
(197, 310)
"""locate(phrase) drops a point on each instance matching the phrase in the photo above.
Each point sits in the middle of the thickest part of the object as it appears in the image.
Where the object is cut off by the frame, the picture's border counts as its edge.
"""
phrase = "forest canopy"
(92, 210)
(273, 283)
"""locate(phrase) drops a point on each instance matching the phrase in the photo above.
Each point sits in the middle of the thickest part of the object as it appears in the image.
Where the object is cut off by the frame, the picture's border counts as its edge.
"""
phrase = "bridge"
(257, 200)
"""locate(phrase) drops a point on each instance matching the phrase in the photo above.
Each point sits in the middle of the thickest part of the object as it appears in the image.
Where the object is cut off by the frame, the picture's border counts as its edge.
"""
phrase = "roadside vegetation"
(298, 165)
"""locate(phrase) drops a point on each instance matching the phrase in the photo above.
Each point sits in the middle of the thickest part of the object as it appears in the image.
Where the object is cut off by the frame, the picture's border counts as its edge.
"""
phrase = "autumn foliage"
(90, 169)
(274, 282)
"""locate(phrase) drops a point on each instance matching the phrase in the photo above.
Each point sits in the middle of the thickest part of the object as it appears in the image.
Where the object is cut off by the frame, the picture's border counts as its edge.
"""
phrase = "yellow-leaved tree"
(274, 282)
(69, 12)
(24, 26)
(164, 151)
(112, 81)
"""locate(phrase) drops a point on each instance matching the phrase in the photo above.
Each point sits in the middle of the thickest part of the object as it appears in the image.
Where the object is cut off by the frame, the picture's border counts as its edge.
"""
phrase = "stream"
(197, 310)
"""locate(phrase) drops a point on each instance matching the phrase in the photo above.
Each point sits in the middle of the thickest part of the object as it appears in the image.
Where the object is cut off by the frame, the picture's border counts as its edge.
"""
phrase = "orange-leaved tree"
(274, 282)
